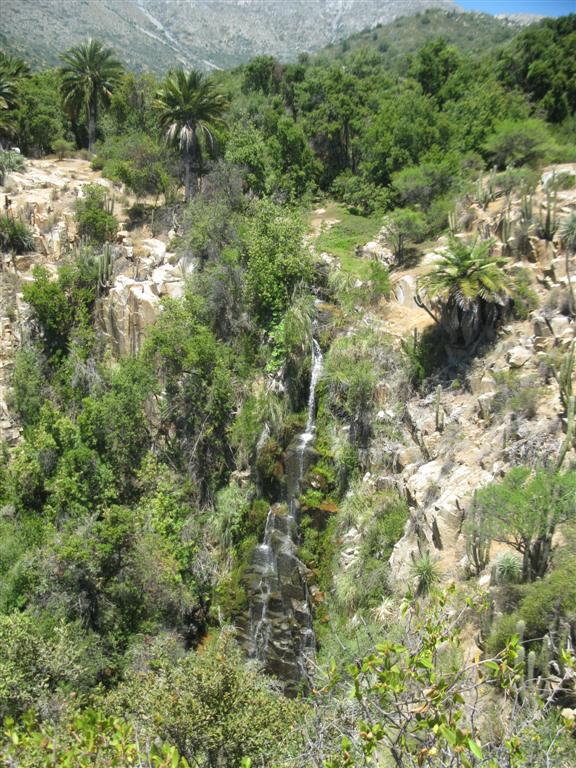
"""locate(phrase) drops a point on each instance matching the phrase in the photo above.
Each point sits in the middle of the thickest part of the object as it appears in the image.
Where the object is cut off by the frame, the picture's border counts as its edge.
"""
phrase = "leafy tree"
(37, 658)
(524, 511)
(402, 227)
(89, 74)
(189, 110)
(10, 161)
(139, 162)
(276, 261)
(539, 61)
(261, 74)
(472, 289)
(517, 143)
(433, 65)
(184, 353)
(40, 120)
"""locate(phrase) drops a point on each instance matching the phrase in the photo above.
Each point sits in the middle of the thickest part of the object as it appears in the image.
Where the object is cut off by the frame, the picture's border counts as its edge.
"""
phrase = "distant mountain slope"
(156, 34)
(472, 32)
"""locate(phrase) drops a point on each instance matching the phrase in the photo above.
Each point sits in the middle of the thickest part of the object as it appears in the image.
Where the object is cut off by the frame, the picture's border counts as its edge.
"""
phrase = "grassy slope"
(341, 239)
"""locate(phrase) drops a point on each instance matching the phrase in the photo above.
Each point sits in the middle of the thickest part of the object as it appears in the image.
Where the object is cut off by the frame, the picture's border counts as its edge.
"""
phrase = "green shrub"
(516, 143)
(15, 235)
(524, 296)
(63, 148)
(95, 222)
(502, 632)
(10, 161)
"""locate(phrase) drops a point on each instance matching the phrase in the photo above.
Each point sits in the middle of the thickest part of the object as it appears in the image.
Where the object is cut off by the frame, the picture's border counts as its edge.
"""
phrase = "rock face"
(133, 303)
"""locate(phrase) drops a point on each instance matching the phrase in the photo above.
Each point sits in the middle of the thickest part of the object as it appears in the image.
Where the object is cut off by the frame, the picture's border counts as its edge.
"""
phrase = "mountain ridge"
(211, 34)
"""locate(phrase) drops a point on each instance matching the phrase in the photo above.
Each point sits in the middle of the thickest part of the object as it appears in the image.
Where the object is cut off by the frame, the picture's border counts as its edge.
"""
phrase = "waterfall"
(278, 630)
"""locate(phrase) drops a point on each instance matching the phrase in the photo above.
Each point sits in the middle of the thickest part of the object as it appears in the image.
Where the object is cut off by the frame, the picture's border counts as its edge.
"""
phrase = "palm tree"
(189, 109)
(11, 70)
(471, 289)
(89, 75)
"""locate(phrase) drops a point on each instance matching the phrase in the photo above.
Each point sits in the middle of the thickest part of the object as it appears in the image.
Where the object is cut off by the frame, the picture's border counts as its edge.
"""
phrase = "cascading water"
(279, 628)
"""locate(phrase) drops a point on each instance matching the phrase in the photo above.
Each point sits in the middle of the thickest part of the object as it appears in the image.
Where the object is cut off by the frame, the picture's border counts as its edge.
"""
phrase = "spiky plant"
(190, 109)
(89, 74)
(509, 569)
(568, 237)
(15, 235)
(425, 573)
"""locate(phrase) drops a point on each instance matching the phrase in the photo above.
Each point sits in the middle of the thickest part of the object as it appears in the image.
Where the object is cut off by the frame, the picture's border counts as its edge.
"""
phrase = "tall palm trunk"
(92, 117)
(190, 158)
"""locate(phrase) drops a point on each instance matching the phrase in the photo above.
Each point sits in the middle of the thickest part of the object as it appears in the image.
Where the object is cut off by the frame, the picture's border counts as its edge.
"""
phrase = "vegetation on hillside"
(132, 503)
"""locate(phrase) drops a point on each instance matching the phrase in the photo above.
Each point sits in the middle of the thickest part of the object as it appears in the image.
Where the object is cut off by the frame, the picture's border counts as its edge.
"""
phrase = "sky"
(545, 7)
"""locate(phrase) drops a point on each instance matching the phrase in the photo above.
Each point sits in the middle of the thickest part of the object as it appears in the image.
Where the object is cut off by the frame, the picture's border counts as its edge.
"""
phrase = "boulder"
(518, 357)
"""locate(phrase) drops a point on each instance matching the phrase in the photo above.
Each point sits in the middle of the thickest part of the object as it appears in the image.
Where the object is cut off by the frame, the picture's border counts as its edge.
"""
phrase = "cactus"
(548, 222)
(478, 550)
(569, 440)
(520, 629)
(531, 669)
(105, 268)
(524, 224)
(439, 410)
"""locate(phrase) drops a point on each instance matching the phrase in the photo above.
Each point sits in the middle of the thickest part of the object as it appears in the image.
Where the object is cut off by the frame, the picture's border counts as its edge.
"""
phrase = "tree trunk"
(92, 116)
(190, 172)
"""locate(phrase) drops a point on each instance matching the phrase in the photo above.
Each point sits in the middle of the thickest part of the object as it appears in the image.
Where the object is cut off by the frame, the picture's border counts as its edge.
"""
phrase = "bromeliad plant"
(470, 288)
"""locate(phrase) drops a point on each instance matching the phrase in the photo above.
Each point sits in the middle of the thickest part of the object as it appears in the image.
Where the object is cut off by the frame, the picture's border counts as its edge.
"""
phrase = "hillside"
(154, 34)
(470, 32)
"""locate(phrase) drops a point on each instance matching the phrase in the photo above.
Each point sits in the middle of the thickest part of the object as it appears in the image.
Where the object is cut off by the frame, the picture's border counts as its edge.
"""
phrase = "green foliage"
(277, 261)
(95, 221)
(380, 517)
(539, 61)
(524, 510)
(568, 233)
(516, 394)
(15, 235)
(508, 568)
(10, 161)
(518, 143)
(189, 110)
(86, 739)
(525, 298)
(199, 390)
(63, 148)
(434, 63)
(211, 707)
(64, 304)
(89, 74)
(36, 660)
(41, 121)
(402, 228)
(28, 385)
